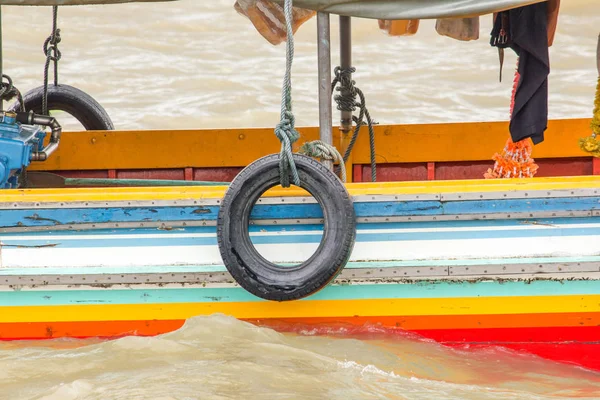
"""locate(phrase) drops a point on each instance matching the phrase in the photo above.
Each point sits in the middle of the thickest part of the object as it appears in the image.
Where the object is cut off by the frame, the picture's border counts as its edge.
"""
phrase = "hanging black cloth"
(525, 30)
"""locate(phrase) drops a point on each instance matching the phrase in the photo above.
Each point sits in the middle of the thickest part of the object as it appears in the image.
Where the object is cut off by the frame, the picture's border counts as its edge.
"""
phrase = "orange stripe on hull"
(46, 330)
(449, 321)
(104, 329)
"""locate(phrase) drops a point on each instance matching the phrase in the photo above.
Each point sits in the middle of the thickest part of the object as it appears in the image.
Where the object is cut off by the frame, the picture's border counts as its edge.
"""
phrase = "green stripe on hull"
(439, 289)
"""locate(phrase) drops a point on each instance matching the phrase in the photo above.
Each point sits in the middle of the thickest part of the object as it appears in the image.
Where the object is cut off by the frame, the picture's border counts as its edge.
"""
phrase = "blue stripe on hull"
(311, 234)
(52, 217)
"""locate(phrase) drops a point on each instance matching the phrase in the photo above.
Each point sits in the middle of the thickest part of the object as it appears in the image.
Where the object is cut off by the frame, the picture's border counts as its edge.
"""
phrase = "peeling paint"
(24, 246)
(36, 217)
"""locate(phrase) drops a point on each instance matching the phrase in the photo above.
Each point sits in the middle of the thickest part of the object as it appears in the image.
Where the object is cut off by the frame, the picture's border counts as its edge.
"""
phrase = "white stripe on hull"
(558, 246)
(167, 235)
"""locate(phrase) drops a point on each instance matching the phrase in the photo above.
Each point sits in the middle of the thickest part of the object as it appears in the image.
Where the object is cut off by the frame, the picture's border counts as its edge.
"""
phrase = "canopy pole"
(345, 64)
(324, 66)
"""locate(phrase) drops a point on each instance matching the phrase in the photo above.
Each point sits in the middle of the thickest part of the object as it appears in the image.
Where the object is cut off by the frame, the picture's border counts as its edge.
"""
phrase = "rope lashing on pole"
(322, 150)
(346, 101)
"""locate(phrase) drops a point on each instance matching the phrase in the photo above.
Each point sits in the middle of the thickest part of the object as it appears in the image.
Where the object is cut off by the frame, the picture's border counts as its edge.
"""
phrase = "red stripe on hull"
(585, 334)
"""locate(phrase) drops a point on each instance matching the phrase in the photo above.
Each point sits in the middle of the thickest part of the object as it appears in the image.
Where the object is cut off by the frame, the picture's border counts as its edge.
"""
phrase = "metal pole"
(345, 63)
(324, 65)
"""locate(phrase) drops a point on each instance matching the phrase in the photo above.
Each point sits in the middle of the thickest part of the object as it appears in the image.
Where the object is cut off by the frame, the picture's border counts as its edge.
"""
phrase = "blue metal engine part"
(17, 144)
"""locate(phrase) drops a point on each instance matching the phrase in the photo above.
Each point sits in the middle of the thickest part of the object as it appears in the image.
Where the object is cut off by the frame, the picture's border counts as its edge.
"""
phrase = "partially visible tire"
(71, 100)
(248, 267)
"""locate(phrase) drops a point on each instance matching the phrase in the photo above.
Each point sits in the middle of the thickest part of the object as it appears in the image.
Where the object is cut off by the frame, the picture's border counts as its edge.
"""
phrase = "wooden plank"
(465, 141)
(152, 149)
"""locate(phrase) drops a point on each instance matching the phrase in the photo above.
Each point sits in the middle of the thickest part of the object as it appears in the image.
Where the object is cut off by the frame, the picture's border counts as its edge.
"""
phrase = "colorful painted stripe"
(290, 234)
(356, 189)
(68, 216)
(352, 265)
(197, 246)
(430, 290)
(306, 309)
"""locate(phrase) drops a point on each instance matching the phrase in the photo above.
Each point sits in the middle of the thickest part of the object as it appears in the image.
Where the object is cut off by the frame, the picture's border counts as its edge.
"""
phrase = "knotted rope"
(322, 150)
(9, 91)
(52, 54)
(285, 129)
(346, 101)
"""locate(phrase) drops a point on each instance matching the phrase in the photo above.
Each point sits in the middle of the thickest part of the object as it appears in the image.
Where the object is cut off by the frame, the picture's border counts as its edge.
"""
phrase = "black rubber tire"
(69, 99)
(258, 275)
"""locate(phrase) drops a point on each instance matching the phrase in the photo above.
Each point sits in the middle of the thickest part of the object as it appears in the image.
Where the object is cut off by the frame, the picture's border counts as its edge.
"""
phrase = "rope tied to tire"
(52, 53)
(246, 265)
(285, 129)
(346, 101)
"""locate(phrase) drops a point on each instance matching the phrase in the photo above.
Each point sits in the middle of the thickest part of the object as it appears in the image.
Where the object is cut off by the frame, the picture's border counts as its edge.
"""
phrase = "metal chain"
(9, 91)
(52, 54)
(5, 87)
(346, 101)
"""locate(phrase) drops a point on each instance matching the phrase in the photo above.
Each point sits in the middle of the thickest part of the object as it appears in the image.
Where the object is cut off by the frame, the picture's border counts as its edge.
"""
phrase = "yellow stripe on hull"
(306, 309)
(355, 189)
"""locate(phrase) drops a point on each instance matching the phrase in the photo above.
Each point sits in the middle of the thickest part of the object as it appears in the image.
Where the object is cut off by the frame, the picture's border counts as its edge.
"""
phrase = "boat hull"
(483, 263)
(558, 320)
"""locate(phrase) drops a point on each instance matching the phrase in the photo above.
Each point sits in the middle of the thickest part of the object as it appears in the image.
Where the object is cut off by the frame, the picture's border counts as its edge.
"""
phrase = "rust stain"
(49, 331)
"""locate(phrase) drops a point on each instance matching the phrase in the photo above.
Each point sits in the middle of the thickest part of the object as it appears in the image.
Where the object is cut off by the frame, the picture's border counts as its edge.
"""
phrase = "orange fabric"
(269, 18)
(515, 160)
(399, 28)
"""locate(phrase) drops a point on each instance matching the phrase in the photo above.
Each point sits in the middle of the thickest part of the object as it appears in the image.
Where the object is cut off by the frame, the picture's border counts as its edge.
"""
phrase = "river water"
(219, 357)
(197, 64)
